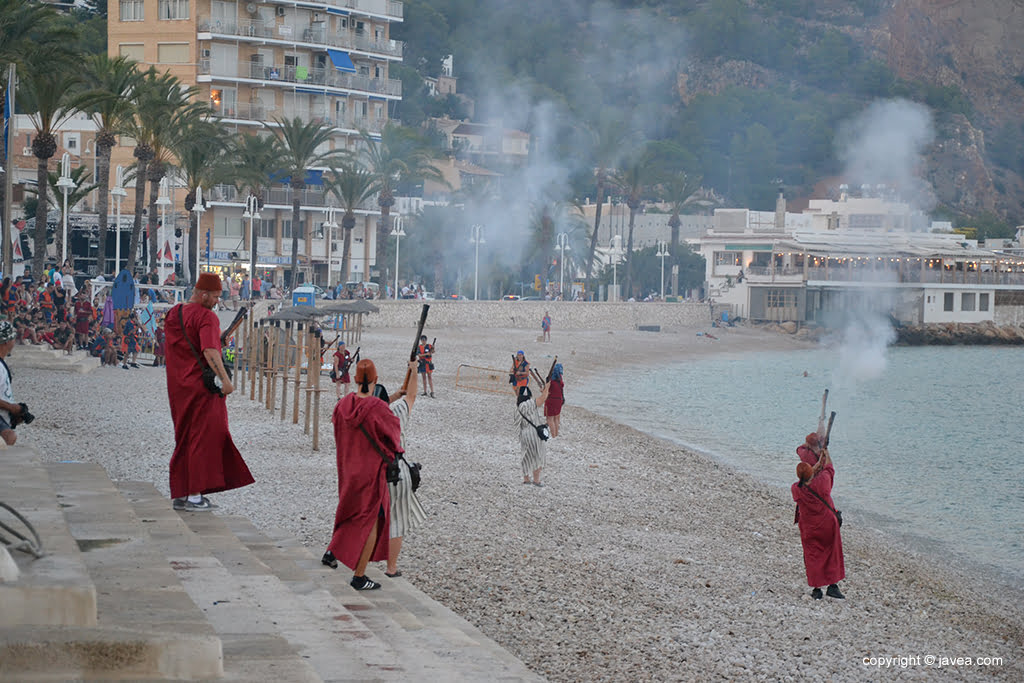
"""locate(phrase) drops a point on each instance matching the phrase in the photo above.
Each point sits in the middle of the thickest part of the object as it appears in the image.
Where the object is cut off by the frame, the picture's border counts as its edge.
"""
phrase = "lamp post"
(252, 212)
(563, 246)
(662, 253)
(614, 252)
(66, 185)
(331, 224)
(163, 201)
(476, 238)
(118, 193)
(199, 210)
(398, 233)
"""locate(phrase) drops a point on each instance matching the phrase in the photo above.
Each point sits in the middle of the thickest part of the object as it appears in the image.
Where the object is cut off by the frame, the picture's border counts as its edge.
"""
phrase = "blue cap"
(520, 353)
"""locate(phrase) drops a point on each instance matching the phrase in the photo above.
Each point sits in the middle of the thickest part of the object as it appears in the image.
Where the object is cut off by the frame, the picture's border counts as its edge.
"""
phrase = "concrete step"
(42, 356)
(451, 647)
(54, 590)
(136, 589)
(255, 611)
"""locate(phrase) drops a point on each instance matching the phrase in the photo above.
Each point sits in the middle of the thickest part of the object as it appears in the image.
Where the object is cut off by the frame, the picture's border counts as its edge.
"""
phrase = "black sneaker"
(178, 503)
(816, 594)
(328, 560)
(833, 592)
(361, 583)
(134, 365)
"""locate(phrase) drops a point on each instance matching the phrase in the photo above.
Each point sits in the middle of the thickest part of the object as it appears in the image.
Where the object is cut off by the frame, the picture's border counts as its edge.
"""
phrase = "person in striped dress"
(528, 417)
(406, 511)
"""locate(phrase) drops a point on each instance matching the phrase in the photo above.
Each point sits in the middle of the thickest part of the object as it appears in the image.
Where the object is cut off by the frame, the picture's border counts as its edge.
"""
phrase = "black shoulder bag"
(543, 432)
(837, 513)
(210, 379)
(393, 474)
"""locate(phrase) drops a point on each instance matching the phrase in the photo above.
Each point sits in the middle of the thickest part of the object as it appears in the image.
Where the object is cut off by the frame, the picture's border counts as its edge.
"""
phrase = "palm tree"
(111, 83)
(80, 176)
(352, 185)
(683, 190)
(201, 150)
(47, 88)
(633, 180)
(23, 26)
(300, 145)
(256, 160)
(163, 107)
(608, 139)
(400, 155)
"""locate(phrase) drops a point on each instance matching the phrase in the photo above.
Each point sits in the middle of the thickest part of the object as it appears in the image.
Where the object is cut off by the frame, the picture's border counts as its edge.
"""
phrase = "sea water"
(927, 441)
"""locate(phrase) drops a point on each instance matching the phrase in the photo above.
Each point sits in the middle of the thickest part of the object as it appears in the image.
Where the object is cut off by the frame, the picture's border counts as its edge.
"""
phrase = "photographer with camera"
(11, 414)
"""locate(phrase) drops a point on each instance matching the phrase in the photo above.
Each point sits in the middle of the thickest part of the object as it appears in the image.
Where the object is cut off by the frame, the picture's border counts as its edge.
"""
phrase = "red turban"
(812, 439)
(366, 372)
(209, 282)
(804, 471)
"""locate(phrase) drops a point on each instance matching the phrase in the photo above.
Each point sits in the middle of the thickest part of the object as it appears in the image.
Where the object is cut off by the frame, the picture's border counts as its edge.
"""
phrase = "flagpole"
(8, 257)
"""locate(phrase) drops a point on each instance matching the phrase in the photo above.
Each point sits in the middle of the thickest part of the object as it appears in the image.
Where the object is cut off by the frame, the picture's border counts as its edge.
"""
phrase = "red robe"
(362, 489)
(556, 398)
(205, 459)
(819, 528)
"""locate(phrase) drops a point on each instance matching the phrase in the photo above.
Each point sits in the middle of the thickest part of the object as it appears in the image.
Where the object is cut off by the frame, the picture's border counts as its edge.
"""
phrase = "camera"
(23, 417)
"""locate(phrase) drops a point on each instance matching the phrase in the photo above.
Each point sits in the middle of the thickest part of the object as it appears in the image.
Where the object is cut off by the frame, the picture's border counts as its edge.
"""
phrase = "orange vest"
(426, 352)
(522, 373)
(45, 300)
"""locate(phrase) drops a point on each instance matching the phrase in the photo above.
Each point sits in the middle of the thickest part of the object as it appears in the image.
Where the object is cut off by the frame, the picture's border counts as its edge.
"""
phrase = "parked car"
(510, 297)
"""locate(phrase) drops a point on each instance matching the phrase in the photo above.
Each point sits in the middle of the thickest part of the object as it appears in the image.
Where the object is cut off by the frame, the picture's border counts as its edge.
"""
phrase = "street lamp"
(199, 210)
(662, 253)
(476, 238)
(118, 193)
(614, 253)
(66, 185)
(252, 212)
(563, 246)
(331, 224)
(398, 233)
(163, 201)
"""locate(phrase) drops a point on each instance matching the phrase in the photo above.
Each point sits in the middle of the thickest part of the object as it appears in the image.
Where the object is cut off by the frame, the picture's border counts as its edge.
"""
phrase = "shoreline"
(640, 559)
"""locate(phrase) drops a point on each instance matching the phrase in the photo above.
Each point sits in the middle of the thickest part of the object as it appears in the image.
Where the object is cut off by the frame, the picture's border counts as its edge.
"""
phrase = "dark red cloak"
(819, 528)
(205, 459)
(362, 489)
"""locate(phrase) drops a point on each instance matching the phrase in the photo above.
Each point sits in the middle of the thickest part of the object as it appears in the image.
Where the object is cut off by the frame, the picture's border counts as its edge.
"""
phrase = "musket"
(415, 347)
(828, 432)
(239, 317)
(352, 360)
(536, 376)
(552, 370)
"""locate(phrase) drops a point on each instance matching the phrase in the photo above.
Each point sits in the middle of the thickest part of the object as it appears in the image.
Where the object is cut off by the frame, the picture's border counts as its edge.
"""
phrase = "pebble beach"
(638, 560)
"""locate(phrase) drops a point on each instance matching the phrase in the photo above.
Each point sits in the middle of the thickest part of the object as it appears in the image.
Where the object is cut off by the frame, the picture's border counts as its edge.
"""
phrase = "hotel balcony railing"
(391, 8)
(328, 77)
(259, 112)
(347, 40)
(916, 275)
(279, 196)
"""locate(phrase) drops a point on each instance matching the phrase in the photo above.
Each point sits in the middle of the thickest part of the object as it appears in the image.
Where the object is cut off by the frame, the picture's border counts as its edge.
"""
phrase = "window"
(172, 53)
(727, 258)
(983, 302)
(172, 9)
(131, 10)
(781, 298)
(967, 302)
(228, 226)
(265, 227)
(71, 142)
(947, 301)
(136, 51)
(286, 229)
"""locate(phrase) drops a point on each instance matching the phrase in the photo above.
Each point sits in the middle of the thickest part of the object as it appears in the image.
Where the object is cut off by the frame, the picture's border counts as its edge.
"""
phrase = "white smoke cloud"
(884, 145)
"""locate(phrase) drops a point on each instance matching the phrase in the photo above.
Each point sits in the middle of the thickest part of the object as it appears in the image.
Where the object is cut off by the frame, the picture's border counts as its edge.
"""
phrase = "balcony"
(292, 33)
(916, 275)
(388, 8)
(259, 113)
(328, 77)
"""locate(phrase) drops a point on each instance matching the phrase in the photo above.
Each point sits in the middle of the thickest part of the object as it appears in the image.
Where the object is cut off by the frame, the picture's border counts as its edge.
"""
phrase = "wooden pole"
(272, 366)
(253, 356)
(241, 346)
(312, 366)
(285, 367)
(301, 348)
(316, 403)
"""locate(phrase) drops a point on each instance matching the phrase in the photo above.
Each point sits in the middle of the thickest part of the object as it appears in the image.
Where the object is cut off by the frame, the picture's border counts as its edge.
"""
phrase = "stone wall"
(565, 315)
(1009, 315)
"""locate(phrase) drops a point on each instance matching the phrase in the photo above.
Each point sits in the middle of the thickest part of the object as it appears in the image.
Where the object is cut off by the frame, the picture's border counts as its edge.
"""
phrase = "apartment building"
(255, 62)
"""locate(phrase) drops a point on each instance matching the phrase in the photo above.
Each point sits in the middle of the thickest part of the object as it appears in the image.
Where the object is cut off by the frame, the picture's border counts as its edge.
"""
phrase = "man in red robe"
(362, 521)
(816, 516)
(205, 459)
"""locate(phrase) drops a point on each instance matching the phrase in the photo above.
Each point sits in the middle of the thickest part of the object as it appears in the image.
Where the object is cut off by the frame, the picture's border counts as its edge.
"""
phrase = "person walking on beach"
(534, 448)
(406, 511)
(8, 409)
(556, 399)
(519, 375)
(545, 326)
(205, 458)
(818, 520)
(367, 436)
(342, 362)
(425, 366)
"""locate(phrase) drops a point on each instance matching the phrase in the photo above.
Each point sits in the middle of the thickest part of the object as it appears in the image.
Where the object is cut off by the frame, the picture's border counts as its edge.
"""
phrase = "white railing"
(301, 75)
(301, 33)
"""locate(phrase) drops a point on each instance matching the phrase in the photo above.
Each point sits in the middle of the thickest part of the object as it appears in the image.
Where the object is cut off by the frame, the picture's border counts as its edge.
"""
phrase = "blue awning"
(341, 61)
(335, 10)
